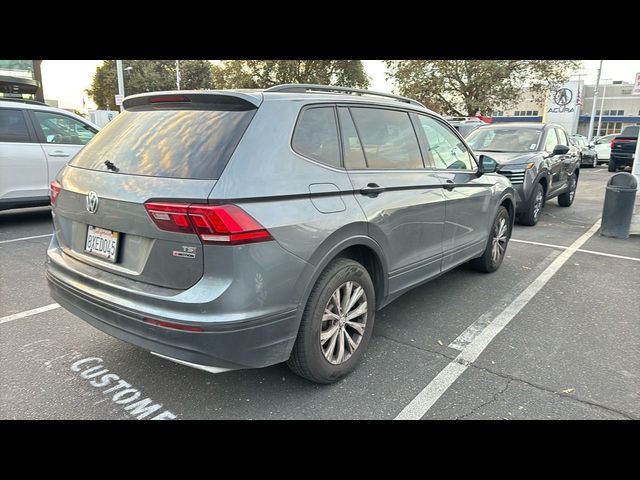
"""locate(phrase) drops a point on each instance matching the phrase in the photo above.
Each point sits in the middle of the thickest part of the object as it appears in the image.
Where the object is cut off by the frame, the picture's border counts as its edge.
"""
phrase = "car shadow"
(24, 216)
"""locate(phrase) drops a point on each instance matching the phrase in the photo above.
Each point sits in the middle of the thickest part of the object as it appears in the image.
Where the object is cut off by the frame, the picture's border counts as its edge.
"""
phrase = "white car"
(36, 141)
(602, 146)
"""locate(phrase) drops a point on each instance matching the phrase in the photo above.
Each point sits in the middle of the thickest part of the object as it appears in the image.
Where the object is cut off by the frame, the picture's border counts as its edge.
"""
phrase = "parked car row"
(586, 152)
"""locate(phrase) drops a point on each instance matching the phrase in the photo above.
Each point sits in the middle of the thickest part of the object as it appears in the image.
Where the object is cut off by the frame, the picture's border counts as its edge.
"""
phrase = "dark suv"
(234, 229)
(623, 148)
(537, 158)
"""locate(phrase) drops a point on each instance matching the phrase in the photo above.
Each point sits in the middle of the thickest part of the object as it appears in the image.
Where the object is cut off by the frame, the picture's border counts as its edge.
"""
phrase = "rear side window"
(193, 143)
(13, 128)
(62, 129)
(388, 138)
(316, 136)
(351, 147)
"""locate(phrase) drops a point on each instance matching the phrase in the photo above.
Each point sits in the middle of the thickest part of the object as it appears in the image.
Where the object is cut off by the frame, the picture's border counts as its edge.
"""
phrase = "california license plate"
(102, 243)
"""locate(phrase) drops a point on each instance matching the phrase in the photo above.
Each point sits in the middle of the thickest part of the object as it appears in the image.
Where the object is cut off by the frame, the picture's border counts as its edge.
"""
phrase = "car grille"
(516, 177)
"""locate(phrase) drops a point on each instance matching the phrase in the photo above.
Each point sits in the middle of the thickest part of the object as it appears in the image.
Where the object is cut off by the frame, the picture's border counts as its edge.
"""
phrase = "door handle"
(58, 153)
(372, 190)
(449, 185)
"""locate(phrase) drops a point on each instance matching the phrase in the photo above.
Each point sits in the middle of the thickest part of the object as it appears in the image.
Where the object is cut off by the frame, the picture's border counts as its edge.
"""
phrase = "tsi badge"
(186, 252)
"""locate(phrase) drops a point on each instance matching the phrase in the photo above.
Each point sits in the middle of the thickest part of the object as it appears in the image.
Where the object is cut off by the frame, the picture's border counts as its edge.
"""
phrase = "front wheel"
(595, 161)
(534, 208)
(566, 199)
(499, 236)
(336, 324)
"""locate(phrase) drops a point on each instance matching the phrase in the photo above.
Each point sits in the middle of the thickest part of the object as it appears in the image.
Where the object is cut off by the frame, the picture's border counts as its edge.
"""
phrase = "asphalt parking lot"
(554, 334)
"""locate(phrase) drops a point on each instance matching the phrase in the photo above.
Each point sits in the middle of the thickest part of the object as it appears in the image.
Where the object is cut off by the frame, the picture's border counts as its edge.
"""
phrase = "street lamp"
(604, 93)
(595, 99)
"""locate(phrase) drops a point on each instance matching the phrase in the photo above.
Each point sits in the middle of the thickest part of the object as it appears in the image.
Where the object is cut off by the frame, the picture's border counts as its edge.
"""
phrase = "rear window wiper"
(110, 165)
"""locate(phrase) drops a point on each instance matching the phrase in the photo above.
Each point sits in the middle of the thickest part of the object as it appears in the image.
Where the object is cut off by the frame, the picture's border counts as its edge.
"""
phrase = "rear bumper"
(249, 344)
(248, 320)
(622, 159)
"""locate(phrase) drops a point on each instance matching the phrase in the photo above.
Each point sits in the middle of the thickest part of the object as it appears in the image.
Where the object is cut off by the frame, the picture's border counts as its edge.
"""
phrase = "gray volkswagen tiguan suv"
(239, 229)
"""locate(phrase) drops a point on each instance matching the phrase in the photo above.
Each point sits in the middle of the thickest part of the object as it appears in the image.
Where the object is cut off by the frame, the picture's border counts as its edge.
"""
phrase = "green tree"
(147, 76)
(464, 87)
(267, 73)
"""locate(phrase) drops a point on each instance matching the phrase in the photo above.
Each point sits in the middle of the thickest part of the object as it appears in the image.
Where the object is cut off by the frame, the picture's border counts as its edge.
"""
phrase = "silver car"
(36, 141)
(233, 229)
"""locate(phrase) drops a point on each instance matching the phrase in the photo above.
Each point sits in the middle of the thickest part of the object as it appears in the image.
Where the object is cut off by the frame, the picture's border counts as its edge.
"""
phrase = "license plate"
(102, 243)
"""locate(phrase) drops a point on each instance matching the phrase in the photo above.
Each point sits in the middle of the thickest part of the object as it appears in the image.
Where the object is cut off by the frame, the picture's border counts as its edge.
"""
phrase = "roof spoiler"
(217, 97)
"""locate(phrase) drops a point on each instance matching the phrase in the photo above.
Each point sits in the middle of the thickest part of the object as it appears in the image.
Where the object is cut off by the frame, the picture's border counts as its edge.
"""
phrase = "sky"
(67, 80)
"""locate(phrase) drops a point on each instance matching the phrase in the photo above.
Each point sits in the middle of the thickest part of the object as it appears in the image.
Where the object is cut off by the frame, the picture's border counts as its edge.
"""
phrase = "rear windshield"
(178, 143)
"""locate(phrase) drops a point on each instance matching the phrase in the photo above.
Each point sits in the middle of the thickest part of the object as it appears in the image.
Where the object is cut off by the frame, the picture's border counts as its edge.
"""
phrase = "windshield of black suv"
(504, 139)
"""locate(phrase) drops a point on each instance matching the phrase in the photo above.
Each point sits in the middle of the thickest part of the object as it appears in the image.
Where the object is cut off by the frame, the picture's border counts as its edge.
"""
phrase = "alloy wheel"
(572, 187)
(537, 204)
(343, 322)
(499, 240)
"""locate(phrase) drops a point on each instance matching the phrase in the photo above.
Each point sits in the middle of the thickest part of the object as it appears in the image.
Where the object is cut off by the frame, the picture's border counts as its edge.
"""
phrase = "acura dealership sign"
(563, 105)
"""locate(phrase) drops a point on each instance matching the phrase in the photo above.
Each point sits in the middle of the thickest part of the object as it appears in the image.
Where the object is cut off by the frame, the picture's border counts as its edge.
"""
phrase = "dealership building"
(619, 108)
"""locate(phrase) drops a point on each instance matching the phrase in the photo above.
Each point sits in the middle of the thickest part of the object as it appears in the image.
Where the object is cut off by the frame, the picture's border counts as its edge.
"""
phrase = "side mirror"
(487, 165)
(560, 150)
(592, 145)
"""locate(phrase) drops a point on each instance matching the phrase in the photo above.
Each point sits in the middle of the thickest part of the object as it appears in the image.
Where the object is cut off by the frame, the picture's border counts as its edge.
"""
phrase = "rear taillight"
(54, 191)
(173, 217)
(214, 224)
(612, 141)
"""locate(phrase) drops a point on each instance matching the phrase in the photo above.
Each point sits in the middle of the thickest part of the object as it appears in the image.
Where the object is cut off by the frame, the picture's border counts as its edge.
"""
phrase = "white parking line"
(25, 238)
(430, 394)
(28, 313)
(635, 259)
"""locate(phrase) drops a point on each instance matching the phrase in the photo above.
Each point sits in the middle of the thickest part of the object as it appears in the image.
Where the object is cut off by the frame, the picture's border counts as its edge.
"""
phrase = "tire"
(612, 166)
(534, 207)
(595, 161)
(497, 243)
(566, 199)
(308, 359)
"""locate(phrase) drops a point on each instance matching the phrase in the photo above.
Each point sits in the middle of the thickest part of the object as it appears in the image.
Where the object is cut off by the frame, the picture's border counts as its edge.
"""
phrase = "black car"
(623, 148)
(538, 159)
(588, 156)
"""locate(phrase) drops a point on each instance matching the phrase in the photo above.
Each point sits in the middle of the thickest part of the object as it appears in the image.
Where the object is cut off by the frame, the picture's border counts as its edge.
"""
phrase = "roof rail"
(309, 87)
(22, 100)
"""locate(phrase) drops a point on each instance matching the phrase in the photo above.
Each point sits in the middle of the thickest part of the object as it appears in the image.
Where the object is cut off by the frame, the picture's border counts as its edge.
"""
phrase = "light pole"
(593, 108)
(178, 74)
(604, 94)
(120, 80)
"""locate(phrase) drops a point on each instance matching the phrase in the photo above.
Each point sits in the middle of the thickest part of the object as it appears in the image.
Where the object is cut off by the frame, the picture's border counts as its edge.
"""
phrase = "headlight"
(520, 166)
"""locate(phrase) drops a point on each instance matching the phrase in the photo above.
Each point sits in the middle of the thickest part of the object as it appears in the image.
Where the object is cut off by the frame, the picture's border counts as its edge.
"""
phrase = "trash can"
(618, 206)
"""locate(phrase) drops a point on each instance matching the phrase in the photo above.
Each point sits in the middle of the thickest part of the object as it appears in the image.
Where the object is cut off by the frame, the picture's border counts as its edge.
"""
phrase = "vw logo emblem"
(563, 97)
(92, 202)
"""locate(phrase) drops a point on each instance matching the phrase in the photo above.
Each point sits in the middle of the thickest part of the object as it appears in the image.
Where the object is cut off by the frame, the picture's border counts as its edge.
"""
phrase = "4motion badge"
(186, 252)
